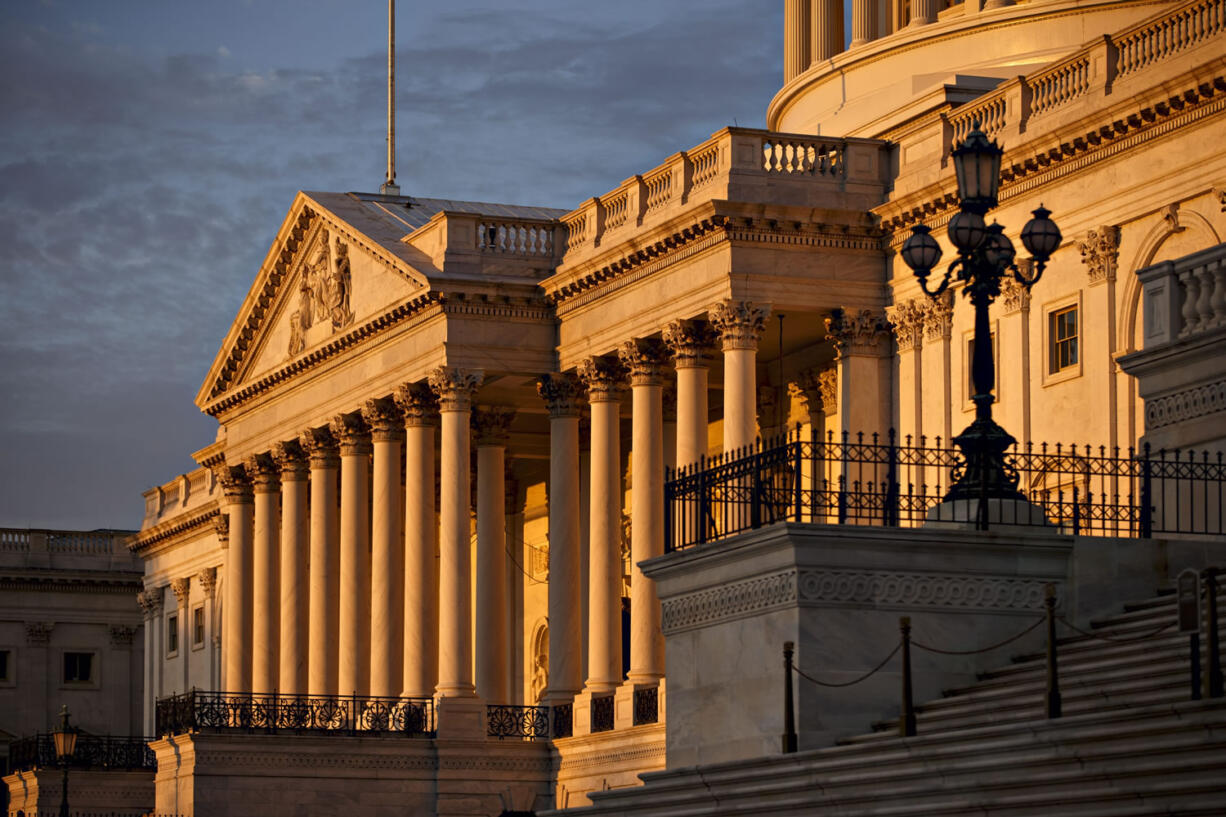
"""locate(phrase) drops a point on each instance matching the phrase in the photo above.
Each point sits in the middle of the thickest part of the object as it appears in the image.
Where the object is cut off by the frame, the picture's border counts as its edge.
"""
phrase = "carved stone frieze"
(692, 343)
(385, 419)
(740, 323)
(907, 318)
(859, 332)
(321, 447)
(455, 387)
(1100, 252)
(644, 359)
(1198, 401)
(351, 433)
(828, 382)
(38, 633)
(491, 425)
(264, 473)
(418, 404)
(121, 635)
(939, 318)
(208, 581)
(604, 377)
(182, 588)
(323, 291)
(563, 394)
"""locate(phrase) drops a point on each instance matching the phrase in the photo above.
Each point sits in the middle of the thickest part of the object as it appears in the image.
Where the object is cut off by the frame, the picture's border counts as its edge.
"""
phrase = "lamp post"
(985, 258)
(65, 746)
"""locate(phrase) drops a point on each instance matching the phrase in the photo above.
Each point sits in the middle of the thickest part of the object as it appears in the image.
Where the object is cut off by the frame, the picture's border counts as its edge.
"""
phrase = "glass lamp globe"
(921, 252)
(1041, 237)
(967, 230)
(998, 249)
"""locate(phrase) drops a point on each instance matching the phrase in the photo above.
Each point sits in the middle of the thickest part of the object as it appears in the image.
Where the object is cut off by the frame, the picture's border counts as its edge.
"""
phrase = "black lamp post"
(65, 746)
(985, 258)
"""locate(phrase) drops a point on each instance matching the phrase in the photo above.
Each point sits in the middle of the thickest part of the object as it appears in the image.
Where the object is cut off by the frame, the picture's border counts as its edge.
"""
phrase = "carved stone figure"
(323, 294)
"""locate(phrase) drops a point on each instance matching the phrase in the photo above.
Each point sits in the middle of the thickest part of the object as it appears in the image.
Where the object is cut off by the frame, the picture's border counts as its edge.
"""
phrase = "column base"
(460, 717)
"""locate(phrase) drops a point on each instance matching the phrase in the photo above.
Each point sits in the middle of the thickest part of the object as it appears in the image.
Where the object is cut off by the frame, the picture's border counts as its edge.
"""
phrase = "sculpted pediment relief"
(324, 283)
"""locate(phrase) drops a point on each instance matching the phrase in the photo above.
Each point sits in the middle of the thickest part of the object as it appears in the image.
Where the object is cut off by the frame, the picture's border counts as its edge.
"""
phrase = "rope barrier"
(863, 677)
(996, 646)
(1102, 637)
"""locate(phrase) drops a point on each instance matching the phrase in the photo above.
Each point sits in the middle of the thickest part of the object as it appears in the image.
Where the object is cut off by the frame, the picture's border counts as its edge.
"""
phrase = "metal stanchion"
(1053, 672)
(906, 724)
(789, 713)
(1213, 678)
(1187, 602)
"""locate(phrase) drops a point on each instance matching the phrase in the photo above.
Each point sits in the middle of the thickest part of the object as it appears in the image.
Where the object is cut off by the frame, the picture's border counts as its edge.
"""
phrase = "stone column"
(265, 600)
(604, 380)
(691, 343)
(859, 339)
(387, 549)
(907, 319)
(182, 588)
(1016, 298)
(562, 395)
(236, 614)
(207, 579)
(295, 613)
(936, 364)
(491, 429)
(420, 663)
(812, 467)
(323, 625)
(455, 388)
(645, 361)
(353, 648)
(740, 326)
(151, 609)
(826, 40)
(863, 22)
(923, 12)
(795, 38)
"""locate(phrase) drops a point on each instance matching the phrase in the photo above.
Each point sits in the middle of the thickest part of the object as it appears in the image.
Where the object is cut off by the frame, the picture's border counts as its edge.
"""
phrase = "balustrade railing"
(92, 752)
(1184, 297)
(1159, 39)
(15, 540)
(885, 481)
(1063, 83)
(201, 710)
(515, 238)
(518, 722)
(602, 713)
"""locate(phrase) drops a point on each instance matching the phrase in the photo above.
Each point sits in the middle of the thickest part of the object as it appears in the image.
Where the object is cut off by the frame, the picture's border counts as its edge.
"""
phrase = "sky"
(150, 150)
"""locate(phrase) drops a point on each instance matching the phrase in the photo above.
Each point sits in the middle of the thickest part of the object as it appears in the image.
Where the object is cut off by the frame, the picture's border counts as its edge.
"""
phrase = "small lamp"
(1041, 237)
(921, 252)
(977, 166)
(65, 737)
(997, 248)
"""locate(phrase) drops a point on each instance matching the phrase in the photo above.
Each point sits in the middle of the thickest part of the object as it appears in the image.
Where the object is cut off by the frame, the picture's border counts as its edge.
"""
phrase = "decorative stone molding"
(644, 358)
(562, 393)
(807, 388)
(604, 378)
(1014, 296)
(150, 602)
(235, 485)
(907, 318)
(385, 419)
(351, 433)
(121, 635)
(1170, 214)
(740, 323)
(875, 588)
(455, 387)
(1198, 401)
(939, 318)
(492, 425)
(291, 459)
(418, 403)
(264, 473)
(692, 343)
(208, 581)
(221, 527)
(860, 332)
(38, 633)
(183, 590)
(321, 447)
(828, 383)
(1219, 196)
(176, 526)
(1100, 252)
(323, 290)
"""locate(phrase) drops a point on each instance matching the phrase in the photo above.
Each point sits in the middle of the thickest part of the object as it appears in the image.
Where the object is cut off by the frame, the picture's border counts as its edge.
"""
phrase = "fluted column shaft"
(291, 460)
(645, 361)
(691, 345)
(796, 38)
(265, 615)
(826, 41)
(455, 388)
(603, 378)
(491, 427)
(236, 615)
(420, 661)
(923, 12)
(386, 548)
(863, 21)
(740, 325)
(323, 628)
(353, 674)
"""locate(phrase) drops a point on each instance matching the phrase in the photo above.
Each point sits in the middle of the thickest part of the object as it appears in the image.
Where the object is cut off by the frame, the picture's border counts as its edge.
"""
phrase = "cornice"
(313, 358)
(512, 309)
(174, 527)
(48, 583)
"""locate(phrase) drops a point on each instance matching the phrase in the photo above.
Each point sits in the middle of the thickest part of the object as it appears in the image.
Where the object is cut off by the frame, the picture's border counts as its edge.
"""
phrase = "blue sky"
(149, 151)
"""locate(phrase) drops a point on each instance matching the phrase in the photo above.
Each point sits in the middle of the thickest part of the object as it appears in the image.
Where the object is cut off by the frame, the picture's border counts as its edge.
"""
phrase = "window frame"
(8, 677)
(201, 627)
(1050, 310)
(95, 669)
(173, 635)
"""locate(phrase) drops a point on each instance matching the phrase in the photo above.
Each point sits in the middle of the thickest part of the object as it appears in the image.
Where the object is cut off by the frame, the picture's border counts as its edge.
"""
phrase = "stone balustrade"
(14, 540)
(1184, 298)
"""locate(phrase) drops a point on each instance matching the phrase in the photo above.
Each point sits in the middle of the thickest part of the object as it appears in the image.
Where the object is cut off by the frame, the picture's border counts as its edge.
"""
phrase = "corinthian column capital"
(856, 332)
(644, 358)
(455, 387)
(692, 343)
(604, 377)
(291, 459)
(352, 433)
(418, 404)
(208, 581)
(183, 589)
(235, 484)
(321, 447)
(385, 420)
(562, 393)
(907, 318)
(265, 476)
(740, 323)
(492, 425)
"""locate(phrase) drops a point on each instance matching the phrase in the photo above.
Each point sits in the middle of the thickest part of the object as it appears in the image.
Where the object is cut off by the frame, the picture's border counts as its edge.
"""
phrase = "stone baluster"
(386, 425)
(491, 429)
(353, 673)
(236, 621)
(323, 625)
(291, 459)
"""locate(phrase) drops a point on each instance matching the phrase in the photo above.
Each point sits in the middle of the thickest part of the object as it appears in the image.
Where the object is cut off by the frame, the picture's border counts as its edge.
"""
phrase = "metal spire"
(390, 188)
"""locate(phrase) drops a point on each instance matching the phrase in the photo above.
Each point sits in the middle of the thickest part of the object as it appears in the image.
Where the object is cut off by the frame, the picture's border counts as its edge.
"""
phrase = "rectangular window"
(78, 667)
(5, 661)
(198, 626)
(1062, 331)
(172, 635)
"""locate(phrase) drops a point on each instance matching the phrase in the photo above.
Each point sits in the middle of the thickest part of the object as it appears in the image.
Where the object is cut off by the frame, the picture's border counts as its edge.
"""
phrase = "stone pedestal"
(460, 718)
(118, 792)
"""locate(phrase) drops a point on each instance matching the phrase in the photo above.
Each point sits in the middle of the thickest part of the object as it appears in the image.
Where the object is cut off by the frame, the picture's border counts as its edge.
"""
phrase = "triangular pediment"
(324, 277)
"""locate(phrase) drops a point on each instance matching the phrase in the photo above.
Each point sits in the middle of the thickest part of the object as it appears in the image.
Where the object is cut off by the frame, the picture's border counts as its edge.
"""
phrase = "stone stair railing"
(1184, 298)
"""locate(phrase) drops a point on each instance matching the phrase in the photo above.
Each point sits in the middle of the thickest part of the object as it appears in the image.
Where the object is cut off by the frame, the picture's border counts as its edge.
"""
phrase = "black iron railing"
(602, 713)
(517, 722)
(92, 752)
(646, 705)
(563, 721)
(199, 710)
(883, 481)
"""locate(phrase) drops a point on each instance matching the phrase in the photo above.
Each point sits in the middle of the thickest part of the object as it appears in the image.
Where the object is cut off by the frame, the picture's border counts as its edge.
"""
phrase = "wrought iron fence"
(200, 710)
(884, 481)
(92, 752)
(646, 705)
(513, 721)
(563, 721)
(602, 713)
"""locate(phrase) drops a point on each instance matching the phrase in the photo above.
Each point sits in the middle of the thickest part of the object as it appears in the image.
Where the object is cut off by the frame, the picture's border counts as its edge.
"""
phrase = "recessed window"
(78, 667)
(198, 627)
(6, 661)
(172, 635)
(1062, 332)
